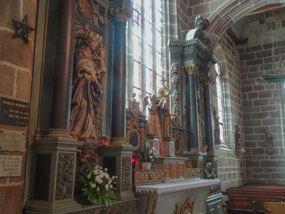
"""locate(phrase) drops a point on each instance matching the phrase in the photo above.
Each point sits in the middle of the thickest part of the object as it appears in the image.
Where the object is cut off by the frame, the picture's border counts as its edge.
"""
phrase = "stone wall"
(263, 102)
(16, 63)
(182, 18)
(231, 167)
(202, 7)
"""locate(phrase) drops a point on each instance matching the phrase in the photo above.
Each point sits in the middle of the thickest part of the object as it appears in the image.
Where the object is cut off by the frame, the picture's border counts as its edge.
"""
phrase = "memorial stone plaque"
(14, 112)
(10, 165)
(12, 141)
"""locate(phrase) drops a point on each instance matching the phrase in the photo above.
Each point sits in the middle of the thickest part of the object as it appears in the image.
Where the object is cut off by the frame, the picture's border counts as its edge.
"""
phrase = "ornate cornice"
(121, 12)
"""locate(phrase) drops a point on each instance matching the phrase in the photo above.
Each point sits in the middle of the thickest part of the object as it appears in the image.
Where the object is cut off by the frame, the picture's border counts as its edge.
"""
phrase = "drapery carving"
(87, 86)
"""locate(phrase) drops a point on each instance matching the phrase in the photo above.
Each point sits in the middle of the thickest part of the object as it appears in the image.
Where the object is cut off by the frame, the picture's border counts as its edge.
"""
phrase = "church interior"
(142, 106)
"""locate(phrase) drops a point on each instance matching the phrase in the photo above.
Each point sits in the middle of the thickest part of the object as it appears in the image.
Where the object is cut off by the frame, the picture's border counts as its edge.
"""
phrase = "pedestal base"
(55, 207)
(196, 157)
(118, 157)
(53, 181)
(122, 207)
(169, 148)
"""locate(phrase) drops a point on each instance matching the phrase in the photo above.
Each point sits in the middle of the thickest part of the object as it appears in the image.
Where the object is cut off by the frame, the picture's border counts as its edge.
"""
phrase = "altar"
(188, 196)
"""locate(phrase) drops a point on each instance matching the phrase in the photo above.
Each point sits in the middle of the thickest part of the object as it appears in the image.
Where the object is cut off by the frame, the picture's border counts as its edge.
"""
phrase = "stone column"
(55, 153)
(208, 114)
(193, 151)
(119, 84)
(63, 67)
(210, 158)
(192, 125)
(118, 156)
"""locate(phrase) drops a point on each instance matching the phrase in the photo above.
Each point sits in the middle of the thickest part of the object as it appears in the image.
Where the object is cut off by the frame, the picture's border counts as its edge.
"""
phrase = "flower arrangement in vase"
(149, 156)
(98, 185)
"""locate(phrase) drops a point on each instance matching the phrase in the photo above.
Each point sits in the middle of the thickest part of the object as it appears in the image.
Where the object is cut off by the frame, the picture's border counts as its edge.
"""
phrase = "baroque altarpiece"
(98, 126)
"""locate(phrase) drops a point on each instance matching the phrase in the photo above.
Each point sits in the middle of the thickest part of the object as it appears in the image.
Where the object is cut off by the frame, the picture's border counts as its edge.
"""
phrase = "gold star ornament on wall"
(22, 29)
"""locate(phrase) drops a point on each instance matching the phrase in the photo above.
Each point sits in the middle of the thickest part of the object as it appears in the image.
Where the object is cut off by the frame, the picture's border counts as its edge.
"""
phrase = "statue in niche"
(268, 140)
(157, 102)
(157, 107)
(153, 122)
(87, 86)
(166, 122)
(239, 144)
(134, 106)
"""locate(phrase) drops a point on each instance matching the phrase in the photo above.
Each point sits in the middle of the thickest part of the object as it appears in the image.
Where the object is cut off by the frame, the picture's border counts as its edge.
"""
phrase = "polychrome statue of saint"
(87, 86)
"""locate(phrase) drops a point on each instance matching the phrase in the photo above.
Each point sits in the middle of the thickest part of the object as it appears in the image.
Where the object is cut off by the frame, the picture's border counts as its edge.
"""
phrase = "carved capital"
(191, 69)
(120, 13)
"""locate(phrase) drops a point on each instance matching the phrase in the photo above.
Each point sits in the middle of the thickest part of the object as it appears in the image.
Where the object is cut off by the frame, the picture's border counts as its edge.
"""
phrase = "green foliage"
(98, 186)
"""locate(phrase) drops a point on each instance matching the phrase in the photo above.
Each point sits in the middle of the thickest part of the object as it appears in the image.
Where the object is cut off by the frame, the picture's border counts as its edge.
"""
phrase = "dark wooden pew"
(249, 199)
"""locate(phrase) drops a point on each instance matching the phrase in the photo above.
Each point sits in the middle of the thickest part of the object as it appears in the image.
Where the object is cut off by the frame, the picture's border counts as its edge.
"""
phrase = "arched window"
(220, 100)
(144, 53)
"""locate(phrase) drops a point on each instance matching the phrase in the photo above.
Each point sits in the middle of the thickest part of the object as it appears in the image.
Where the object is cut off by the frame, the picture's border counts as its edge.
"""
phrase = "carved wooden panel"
(64, 176)
(126, 173)
(135, 134)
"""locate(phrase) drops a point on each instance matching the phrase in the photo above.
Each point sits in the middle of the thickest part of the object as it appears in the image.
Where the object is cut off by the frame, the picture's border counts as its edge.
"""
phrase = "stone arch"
(230, 12)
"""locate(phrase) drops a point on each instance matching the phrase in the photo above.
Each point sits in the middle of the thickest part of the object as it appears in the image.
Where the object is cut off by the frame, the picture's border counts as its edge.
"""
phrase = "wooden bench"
(274, 207)
(251, 198)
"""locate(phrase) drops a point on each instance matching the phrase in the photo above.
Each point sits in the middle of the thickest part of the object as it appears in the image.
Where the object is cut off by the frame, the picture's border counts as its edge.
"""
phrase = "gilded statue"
(153, 122)
(134, 106)
(217, 127)
(87, 86)
(166, 122)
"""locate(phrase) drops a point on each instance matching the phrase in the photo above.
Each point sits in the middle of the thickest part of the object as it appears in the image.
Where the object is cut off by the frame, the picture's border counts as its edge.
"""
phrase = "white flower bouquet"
(98, 185)
(150, 154)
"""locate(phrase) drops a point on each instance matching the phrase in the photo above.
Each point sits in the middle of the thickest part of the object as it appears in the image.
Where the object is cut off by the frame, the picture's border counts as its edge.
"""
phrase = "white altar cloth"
(165, 198)
(164, 188)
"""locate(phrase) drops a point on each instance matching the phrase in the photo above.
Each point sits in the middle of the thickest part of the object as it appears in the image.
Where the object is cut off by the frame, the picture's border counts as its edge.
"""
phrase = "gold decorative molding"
(191, 69)
(85, 8)
(133, 127)
(154, 203)
(187, 207)
(174, 171)
(178, 137)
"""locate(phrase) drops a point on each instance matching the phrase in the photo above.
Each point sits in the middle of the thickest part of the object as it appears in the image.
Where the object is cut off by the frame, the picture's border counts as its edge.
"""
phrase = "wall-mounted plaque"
(14, 112)
(10, 165)
(12, 141)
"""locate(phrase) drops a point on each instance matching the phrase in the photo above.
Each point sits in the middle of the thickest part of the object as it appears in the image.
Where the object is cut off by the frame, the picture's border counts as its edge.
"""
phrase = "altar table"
(184, 197)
